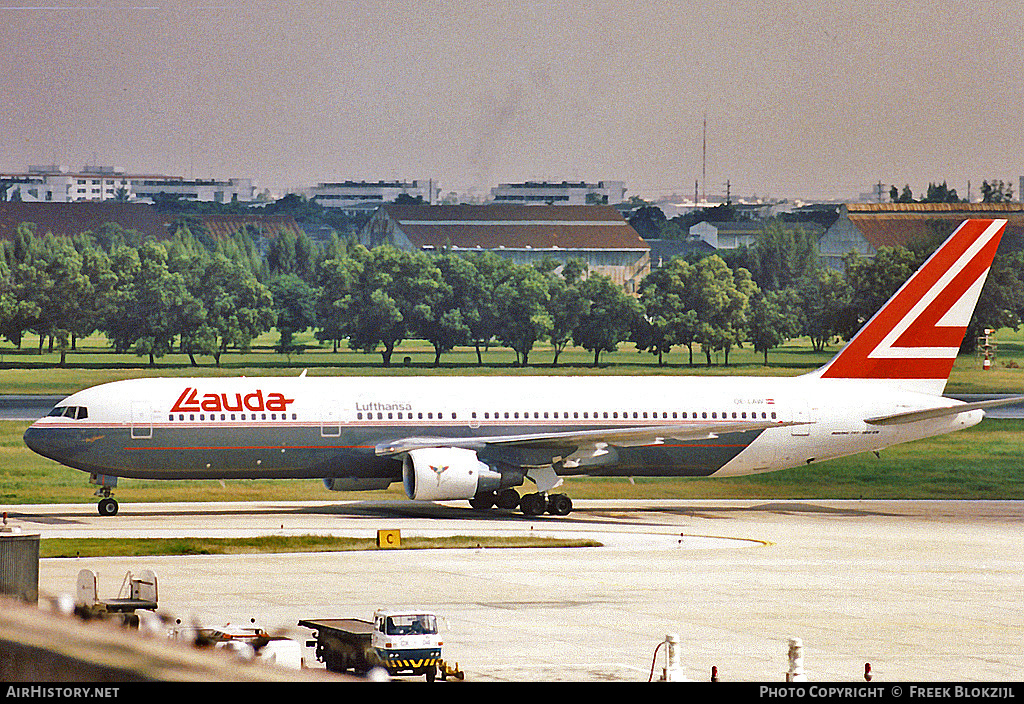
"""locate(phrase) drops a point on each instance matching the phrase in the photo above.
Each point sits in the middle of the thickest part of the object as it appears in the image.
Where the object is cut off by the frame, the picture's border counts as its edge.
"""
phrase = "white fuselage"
(330, 427)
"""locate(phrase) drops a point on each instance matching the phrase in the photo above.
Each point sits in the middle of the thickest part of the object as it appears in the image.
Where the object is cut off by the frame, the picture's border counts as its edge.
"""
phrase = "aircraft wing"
(619, 437)
(941, 411)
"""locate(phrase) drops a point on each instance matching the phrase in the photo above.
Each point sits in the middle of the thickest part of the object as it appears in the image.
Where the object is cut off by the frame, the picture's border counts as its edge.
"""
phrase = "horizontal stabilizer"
(941, 411)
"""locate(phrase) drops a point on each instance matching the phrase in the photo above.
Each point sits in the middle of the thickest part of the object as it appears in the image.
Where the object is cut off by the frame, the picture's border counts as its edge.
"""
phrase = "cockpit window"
(76, 412)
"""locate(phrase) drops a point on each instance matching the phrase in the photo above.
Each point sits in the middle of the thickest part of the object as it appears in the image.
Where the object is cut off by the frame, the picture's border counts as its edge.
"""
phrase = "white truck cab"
(407, 641)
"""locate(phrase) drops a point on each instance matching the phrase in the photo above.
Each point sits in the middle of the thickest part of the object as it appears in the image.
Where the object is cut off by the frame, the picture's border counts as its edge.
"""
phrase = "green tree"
(824, 298)
(648, 220)
(996, 192)
(940, 193)
(391, 297)
(151, 304)
(669, 319)
(782, 254)
(721, 298)
(772, 323)
(608, 318)
(441, 315)
(522, 308)
(237, 308)
(566, 304)
(337, 279)
(485, 322)
(294, 309)
(872, 282)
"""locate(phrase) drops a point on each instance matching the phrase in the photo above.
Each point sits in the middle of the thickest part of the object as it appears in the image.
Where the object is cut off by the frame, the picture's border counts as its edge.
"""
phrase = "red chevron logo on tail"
(917, 333)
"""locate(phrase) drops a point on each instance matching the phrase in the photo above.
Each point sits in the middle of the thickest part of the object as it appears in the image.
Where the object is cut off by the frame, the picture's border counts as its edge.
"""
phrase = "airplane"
(479, 438)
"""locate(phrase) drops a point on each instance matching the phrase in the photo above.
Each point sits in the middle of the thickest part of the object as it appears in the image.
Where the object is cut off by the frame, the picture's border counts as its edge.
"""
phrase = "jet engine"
(445, 473)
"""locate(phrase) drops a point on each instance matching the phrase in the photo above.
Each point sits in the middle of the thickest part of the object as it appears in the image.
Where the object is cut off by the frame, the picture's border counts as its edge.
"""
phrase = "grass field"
(983, 462)
(103, 547)
(25, 371)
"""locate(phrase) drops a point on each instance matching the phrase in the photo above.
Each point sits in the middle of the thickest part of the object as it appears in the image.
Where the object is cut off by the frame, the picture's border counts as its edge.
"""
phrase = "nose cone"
(35, 438)
(49, 441)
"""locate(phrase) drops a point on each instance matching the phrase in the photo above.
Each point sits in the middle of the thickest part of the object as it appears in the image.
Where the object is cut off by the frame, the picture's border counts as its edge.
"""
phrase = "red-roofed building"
(523, 233)
(863, 228)
(70, 219)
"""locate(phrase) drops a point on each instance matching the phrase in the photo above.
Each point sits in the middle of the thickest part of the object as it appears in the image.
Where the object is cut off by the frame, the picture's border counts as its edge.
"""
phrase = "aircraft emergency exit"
(479, 438)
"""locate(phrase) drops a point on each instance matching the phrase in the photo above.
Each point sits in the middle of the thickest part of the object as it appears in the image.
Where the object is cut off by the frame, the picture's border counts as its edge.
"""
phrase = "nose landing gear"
(107, 505)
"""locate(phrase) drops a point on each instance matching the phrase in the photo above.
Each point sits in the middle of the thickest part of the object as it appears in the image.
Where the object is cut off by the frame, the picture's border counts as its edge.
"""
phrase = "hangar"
(863, 228)
(596, 234)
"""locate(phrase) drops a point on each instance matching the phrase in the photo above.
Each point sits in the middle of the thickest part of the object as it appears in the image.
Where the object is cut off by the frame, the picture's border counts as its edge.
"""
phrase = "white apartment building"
(564, 193)
(58, 184)
(367, 195)
(242, 190)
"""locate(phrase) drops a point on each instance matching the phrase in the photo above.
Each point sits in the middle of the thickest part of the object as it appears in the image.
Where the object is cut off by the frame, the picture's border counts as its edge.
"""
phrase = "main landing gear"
(530, 504)
(107, 505)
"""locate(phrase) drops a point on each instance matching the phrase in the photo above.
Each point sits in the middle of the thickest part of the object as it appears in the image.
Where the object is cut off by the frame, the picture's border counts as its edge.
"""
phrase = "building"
(598, 235)
(69, 219)
(663, 251)
(57, 184)
(727, 235)
(863, 228)
(564, 193)
(241, 190)
(355, 197)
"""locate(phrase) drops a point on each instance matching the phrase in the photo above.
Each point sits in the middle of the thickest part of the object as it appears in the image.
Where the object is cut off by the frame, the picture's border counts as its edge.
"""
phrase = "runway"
(922, 590)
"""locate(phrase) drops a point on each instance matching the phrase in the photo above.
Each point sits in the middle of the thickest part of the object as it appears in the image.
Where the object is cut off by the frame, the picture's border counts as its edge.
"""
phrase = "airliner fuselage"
(308, 427)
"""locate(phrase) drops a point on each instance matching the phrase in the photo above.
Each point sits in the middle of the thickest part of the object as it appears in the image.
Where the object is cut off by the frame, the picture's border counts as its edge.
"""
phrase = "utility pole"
(704, 167)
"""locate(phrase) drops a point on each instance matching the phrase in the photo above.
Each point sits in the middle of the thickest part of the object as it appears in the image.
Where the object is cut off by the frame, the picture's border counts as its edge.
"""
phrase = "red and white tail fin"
(914, 338)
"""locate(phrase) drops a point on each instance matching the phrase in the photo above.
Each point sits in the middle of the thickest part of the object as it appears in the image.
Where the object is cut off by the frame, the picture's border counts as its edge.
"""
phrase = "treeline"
(200, 296)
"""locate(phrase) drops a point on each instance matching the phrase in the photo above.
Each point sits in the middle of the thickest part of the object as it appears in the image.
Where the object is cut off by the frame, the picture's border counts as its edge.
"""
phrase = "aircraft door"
(802, 416)
(142, 420)
(330, 420)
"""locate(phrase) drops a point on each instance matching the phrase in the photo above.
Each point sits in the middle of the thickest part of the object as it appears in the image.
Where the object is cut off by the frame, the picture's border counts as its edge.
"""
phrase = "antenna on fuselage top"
(303, 373)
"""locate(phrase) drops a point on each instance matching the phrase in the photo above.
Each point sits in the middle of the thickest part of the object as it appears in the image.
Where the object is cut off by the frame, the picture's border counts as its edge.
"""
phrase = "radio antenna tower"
(704, 161)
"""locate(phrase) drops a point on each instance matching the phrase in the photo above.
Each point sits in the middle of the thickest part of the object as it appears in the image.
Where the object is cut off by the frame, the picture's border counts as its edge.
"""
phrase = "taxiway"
(922, 590)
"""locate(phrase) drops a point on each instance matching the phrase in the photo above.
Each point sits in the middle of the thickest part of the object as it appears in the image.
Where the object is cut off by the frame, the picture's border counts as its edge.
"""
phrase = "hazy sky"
(813, 98)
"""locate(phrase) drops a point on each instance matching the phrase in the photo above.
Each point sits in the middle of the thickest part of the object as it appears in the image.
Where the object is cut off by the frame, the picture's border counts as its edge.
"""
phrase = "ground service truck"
(401, 642)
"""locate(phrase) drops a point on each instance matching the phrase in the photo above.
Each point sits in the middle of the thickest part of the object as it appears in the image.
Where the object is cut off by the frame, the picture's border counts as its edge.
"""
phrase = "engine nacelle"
(445, 473)
(357, 483)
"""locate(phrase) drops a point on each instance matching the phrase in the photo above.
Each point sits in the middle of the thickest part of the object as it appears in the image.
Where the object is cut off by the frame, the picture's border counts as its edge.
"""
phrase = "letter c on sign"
(389, 538)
